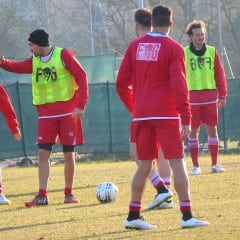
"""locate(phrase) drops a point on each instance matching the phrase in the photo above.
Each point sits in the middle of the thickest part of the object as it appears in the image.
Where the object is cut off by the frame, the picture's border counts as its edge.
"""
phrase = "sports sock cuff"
(193, 143)
(213, 141)
(67, 191)
(43, 192)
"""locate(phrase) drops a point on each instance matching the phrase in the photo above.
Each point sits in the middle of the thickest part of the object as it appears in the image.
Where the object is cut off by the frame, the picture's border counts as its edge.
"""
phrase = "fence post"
(24, 161)
(109, 119)
(225, 141)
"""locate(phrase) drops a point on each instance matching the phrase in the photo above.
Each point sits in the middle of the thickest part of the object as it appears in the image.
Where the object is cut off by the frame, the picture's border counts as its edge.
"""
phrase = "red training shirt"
(74, 67)
(151, 80)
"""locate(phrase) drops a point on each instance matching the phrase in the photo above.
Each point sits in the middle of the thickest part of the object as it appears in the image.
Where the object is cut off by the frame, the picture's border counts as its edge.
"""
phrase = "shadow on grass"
(32, 225)
(124, 234)
(60, 190)
(119, 235)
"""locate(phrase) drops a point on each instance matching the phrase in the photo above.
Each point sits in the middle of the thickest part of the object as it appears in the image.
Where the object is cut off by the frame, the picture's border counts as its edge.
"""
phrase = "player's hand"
(1, 58)
(18, 135)
(186, 129)
(78, 113)
(221, 103)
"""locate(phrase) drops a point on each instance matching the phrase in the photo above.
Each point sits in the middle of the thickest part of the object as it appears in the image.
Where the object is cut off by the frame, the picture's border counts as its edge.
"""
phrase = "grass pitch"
(215, 197)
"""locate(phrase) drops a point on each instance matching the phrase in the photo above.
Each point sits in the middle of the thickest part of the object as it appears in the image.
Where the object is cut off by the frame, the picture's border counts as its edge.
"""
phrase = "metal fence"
(106, 121)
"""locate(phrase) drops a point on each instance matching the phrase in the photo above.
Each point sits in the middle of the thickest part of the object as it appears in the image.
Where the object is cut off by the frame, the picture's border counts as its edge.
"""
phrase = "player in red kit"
(153, 71)
(60, 94)
(208, 93)
(160, 175)
(8, 111)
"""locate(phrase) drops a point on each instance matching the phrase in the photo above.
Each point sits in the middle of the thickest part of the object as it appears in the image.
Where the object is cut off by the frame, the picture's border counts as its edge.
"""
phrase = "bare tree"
(69, 24)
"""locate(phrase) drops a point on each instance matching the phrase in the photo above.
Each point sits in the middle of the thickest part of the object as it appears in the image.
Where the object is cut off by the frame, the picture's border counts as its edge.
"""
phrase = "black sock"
(133, 216)
(162, 189)
(187, 216)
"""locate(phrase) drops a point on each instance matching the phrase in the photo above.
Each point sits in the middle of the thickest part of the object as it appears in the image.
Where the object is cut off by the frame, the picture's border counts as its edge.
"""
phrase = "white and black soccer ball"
(107, 192)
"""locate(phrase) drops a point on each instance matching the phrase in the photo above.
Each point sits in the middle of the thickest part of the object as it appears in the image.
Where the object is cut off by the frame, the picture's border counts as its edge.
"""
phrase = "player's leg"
(69, 170)
(163, 192)
(193, 140)
(146, 149)
(155, 179)
(213, 146)
(154, 176)
(193, 145)
(68, 124)
(44, 154)
(47, 136)
(210, 119)
(171, 131)
(181, 184)
(165, 172)
(3, 199)
(44, 165)
(164, 169)
(134, 219)
(181, 181)
(139, 179)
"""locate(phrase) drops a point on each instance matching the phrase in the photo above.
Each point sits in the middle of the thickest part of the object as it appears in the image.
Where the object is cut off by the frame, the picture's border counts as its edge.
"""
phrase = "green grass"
(215, 197)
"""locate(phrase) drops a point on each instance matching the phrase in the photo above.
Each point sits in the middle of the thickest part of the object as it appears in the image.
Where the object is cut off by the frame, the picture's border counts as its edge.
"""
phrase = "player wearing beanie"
(60, 94)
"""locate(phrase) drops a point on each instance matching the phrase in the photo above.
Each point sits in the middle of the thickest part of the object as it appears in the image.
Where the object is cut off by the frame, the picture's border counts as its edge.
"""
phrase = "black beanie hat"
(39, 37)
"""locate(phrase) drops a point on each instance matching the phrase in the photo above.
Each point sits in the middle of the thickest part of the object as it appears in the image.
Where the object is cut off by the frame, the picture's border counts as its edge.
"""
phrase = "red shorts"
(133, 132)
(204, 114)
(67, 129)
(151, 134)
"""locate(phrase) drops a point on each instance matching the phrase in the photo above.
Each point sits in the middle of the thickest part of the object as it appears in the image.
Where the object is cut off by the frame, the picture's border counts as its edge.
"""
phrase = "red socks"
(194, 150)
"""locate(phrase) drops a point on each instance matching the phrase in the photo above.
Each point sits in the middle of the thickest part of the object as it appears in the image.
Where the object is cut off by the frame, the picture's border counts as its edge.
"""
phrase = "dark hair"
(194, 25)
(143, 16)
(162, 16)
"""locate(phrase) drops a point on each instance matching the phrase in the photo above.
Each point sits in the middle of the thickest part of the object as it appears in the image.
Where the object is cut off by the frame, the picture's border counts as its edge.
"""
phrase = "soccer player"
(208, 92)
(153, 70)
(60, 94)
(162, 182)
(9, 113)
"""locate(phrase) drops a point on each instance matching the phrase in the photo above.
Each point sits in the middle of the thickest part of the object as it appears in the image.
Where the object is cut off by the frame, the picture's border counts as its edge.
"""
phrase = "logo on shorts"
(71, 136)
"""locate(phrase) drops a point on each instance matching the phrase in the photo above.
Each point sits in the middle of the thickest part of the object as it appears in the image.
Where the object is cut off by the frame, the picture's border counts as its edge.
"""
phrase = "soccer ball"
(107, 192)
